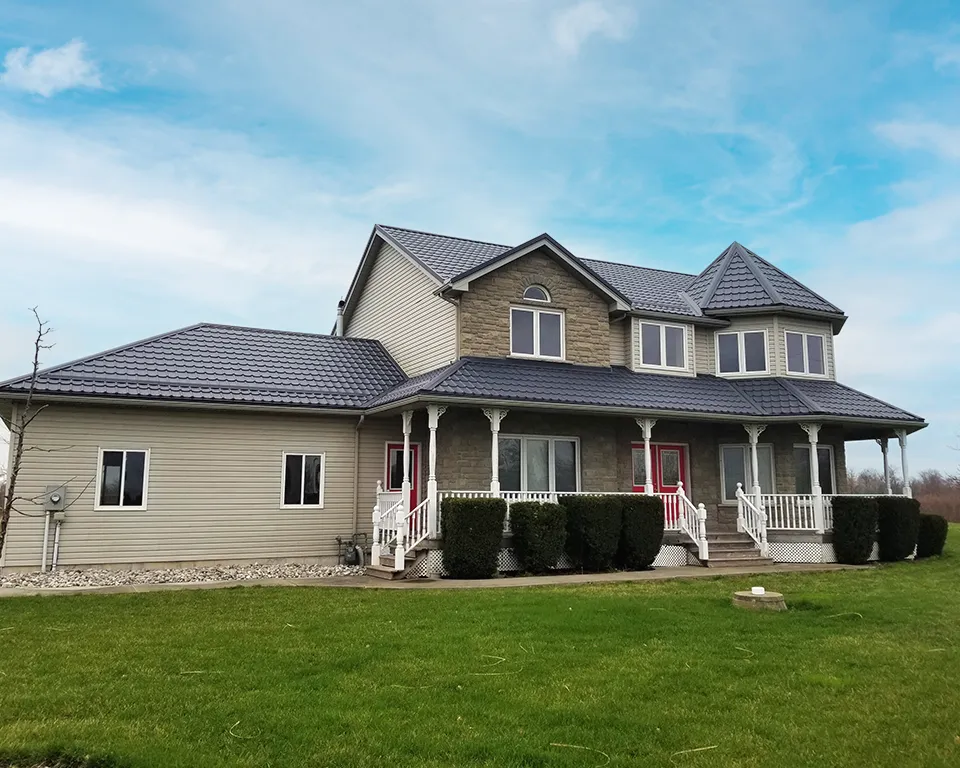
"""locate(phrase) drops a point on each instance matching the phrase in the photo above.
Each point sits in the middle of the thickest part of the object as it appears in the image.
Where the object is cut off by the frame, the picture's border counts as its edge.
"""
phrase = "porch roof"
(548, 383)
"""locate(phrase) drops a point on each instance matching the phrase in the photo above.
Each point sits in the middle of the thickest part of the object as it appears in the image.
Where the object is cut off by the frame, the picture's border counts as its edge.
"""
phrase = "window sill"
(521, 356)
(99, 508)
(301, 506)
(747, 375)
(797, 375)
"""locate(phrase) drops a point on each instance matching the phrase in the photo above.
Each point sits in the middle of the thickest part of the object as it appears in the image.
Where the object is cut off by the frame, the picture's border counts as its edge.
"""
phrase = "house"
(457, 367)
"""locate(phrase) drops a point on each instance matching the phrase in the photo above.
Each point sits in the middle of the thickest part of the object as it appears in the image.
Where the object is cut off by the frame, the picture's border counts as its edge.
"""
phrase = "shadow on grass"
(57, 758)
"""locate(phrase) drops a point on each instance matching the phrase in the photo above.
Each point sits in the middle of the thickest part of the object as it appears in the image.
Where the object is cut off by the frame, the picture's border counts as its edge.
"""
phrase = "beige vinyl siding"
(213, 486)
(397, 306)
(620, 333)
(691, 366)
(703, 350)
(799, 325)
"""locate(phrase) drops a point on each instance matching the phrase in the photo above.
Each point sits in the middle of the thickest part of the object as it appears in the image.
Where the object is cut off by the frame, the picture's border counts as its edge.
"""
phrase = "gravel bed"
(111, 578)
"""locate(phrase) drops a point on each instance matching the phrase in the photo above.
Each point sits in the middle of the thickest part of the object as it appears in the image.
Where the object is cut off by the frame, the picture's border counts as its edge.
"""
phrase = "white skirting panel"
(807, 552)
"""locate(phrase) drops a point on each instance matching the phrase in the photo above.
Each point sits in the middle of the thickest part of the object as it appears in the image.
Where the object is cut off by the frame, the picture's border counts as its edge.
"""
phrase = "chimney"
(340, 307)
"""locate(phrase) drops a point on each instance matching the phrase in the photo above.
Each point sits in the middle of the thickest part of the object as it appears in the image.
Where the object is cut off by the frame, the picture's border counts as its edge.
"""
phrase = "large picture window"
(536, 333)
(302, 480)
(805, 353)
(535, 463)
(801, 468)
(736, 467)
(663, 346)
(122, 479)
(742, 352)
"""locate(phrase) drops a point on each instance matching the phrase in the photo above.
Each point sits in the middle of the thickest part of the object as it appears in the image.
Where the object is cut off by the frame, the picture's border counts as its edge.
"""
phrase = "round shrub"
(932, 535)
(854, 528)
(539, 533)
(472, 534)
(641, 532)
(898, 520)
(593, 530)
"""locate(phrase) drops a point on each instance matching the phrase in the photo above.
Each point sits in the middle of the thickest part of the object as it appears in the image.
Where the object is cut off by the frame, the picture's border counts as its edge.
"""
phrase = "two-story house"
(457, 367)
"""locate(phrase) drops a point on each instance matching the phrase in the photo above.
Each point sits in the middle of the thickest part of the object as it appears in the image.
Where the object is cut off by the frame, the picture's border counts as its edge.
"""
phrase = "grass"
(864, 670)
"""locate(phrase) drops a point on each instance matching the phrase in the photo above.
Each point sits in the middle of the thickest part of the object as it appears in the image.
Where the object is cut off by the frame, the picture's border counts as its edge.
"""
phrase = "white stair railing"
(693, 522)
(752, 520)
(415, 525)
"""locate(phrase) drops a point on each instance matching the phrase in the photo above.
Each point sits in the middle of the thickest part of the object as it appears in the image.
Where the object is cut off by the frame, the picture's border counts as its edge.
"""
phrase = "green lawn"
(864, 670)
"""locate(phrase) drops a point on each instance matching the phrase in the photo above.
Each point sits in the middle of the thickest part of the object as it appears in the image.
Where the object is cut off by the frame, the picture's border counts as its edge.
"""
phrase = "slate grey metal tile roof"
(654, 290)
(446, 256)
(228, 364)
(531, 381)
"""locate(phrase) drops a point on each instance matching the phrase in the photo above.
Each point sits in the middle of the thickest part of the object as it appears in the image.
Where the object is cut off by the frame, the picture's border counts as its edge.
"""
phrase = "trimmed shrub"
(539, 533)
(641, 533)
(593, 530)
(898, 519)
(854, 528)
(472, 534)
(931, 535)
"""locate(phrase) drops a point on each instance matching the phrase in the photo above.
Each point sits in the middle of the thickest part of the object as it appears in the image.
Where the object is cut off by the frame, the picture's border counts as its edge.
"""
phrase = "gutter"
(356, 476)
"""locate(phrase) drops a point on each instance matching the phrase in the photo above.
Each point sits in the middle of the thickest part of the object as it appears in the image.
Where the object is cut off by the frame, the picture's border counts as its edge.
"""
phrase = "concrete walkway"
(368, 582)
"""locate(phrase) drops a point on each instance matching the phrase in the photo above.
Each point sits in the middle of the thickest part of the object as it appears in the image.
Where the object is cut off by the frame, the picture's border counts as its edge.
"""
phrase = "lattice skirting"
(807, 552)
(430, 563)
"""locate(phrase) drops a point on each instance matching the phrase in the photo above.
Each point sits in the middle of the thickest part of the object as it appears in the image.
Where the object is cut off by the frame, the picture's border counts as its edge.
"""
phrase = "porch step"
(382, 572)
(738, 562)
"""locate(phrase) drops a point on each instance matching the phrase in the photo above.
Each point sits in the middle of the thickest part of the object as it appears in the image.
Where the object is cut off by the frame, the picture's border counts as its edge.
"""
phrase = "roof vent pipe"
(340, 307)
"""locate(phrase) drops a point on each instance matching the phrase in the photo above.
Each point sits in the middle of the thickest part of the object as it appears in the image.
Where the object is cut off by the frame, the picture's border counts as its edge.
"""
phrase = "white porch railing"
(752, 520)
(798, 511)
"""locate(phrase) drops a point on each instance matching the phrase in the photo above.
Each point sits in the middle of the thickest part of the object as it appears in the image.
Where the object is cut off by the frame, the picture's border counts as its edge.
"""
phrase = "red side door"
(394, 480)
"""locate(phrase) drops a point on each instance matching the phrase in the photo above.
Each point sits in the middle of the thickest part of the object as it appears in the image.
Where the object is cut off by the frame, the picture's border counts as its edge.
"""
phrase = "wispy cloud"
(575, 25)
(51, 70)
(944, 140)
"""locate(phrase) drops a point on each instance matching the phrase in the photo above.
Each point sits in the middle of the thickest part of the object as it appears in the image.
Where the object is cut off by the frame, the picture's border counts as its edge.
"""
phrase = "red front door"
(395, 470)
(669, 465)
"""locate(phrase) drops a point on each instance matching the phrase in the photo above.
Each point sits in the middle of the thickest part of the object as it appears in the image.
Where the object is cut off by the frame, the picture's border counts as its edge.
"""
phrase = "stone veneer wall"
(484, 317)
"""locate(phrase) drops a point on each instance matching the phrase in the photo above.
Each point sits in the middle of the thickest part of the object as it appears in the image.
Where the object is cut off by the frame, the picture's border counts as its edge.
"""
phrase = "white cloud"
(943, 140)
(578, 23)
(51, 70)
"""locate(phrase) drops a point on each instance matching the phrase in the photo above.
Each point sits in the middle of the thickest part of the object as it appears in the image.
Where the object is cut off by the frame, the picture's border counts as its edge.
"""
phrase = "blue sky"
(165, 163)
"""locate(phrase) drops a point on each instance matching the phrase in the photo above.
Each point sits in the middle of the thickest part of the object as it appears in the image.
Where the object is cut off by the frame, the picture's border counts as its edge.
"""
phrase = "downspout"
(356, 476)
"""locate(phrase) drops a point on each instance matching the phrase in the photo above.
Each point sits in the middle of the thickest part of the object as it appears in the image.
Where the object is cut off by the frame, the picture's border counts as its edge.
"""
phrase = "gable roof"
(532, 381)
(227, 364)
(447, 257)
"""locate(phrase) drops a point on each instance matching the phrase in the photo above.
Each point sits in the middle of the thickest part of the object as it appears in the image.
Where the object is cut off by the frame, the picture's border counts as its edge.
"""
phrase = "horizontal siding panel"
(620, 342)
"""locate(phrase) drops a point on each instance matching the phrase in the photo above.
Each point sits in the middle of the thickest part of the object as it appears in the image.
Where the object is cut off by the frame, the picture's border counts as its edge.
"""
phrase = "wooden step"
(739, 562)
(382, 572)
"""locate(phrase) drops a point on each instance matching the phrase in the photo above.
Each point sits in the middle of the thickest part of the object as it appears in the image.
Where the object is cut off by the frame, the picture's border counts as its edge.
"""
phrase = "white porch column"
(495, 415)
(902, 437)
(883, 442)
(753, 433)
(813, 434)
(647, 426)
(434, 412)
(406, 487)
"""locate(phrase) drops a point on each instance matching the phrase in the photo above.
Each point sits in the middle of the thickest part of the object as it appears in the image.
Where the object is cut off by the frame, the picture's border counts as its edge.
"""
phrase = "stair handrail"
(693, 522)
(752, 520)
(415, 524)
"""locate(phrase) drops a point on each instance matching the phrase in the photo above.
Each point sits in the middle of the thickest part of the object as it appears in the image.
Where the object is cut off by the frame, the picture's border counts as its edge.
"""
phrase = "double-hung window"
(302, 480)
(534, 463)
(536, 333)
(663, 346)
(736, 466)
(742, 352)
(805, 353)
(122, 479)
(801, 468)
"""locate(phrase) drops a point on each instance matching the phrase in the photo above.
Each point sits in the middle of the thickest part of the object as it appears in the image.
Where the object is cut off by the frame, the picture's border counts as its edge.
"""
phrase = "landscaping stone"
(114, 578)
(768, 601)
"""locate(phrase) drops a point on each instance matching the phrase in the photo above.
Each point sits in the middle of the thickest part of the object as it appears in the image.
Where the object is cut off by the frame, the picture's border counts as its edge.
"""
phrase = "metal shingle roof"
(446, 256)
(531, 381)
(655, 290)
(220, 364)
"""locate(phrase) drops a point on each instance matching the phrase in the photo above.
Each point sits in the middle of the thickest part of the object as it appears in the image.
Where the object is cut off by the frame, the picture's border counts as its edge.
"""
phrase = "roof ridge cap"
(761, 278)
(448, 237)
(186, 383)
(637, 266)
(724, 262)
(761, 411)
(789, 387)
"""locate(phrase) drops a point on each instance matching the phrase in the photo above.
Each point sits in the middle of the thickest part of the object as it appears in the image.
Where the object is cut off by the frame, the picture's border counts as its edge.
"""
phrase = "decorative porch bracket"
(647, 426)
(495, 415)
(753, 434)
(902, 437)
(813, 434)
(884, 444)
(434, 412)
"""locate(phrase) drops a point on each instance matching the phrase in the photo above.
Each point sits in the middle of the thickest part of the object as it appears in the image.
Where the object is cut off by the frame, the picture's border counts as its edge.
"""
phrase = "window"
(736, 467)
(302, 480)
(534, 463)
(536, 293)
(122, 479)
(805, 354)
(663, 346)
(639, 467)
(801, 468)
(742, 352)
(536, 333)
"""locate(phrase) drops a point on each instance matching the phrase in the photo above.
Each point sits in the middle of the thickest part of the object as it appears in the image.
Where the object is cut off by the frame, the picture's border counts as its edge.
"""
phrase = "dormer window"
(536, 293)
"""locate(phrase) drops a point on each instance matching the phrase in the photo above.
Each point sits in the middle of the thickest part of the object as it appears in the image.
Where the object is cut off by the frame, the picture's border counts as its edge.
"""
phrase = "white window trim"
(386, 467)
(833, 462)
(551, 459)
(97, 506)
(283, 477)
(536, 333)
(742, 355)
(748, 470)
(806, 361)
(542, 288)
(663, 346)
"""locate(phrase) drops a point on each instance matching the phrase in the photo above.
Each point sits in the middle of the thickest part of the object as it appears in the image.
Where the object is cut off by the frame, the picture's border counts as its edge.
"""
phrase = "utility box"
(55, 498)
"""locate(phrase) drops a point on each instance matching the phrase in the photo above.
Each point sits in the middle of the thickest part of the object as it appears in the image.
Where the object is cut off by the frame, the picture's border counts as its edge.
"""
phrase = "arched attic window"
(536, 293)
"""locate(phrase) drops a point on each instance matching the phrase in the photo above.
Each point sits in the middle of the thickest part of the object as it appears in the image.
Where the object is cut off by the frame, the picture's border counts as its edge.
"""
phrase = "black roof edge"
(838, 320)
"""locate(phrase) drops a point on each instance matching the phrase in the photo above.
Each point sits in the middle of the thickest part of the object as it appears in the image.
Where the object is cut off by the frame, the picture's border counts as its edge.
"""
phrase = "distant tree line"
(937, 492)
